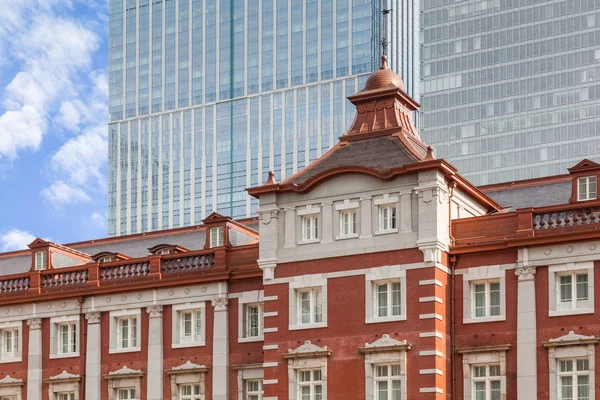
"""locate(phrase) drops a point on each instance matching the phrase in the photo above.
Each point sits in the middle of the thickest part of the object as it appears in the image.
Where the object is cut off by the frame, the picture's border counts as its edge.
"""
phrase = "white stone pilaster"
(155, 352)
(526, 335)
(220, 370)
(366, 210)
(93, 376)
(406, 212)
(290, 227)
(34, 360)
(327, 226)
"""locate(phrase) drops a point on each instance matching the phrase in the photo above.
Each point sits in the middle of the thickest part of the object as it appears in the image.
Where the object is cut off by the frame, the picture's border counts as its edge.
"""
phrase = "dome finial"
(384, 60)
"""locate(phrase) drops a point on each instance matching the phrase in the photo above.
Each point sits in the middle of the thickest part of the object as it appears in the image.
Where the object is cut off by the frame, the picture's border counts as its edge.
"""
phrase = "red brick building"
(376, 273)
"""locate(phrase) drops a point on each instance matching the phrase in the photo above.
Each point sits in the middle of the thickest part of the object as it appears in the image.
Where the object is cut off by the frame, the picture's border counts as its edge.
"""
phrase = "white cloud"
(15, 239)
(60, 193)
(98, 220)
(21, 128)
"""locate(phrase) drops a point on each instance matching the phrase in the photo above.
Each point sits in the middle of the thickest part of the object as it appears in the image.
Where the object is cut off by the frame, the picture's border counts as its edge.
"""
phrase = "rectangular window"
(67, 338)
(65, 396)
(254, 320)
(388, 298)
(310, 228)
(486, 382)
(387, 382)
(9, 343)
(574, 379)
(387, 218)
(586, 188)
(189, 392)
(126, 394)
(486, 299)
(310, 385)
(217, 236)
(573, 290)
(254, 390)
(310, 306)
(127, 327)
(41, 260)
(348, 223)
(190, 326)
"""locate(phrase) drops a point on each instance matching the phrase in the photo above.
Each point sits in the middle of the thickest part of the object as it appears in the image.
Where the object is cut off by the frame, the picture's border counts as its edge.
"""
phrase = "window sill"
(117, 351)
(307, 326)
(353, 236)
(185, 345)
(67, 355)
(11, 360)
(378, 233)
(478, 320)
(575, 311)
(377, 320)
(311, 241)
(250, 339)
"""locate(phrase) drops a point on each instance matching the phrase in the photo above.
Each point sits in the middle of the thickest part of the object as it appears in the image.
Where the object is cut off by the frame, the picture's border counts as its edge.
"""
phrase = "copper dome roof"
(384, 78)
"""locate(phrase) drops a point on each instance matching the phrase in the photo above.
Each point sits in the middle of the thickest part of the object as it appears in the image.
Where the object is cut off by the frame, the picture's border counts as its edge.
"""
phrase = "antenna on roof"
(384, 27)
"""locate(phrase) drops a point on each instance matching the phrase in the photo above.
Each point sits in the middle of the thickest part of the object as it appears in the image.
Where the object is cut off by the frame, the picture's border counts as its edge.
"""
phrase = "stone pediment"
(65, 376)
(188, 367)
(385, 344)
(124, 372)
(308, 350)
(10, 381)
(571, 339)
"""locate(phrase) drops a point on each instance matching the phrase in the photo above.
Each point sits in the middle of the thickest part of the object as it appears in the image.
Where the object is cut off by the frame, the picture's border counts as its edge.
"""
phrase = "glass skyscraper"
(207, 96)
(511, 88)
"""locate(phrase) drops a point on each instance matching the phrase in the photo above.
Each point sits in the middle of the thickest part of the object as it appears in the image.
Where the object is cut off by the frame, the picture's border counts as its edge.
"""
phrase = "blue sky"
(53, 114)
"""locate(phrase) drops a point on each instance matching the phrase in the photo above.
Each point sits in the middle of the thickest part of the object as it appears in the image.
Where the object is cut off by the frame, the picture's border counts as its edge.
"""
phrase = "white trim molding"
(473, 356)
(306, 356)
(554, 305)
(379, 275)
(176, 309)
(483, 274)
(244, 299)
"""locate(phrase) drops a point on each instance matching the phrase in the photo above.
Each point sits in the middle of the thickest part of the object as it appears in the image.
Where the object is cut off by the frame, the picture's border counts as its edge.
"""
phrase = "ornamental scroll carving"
(525, 273)
(93, 317)
(220, 303)
(155, 311)
(34, 324)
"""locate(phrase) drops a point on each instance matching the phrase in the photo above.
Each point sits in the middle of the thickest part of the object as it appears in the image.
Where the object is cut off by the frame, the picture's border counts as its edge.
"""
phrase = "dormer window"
(41, 260)
(163, 252)
(586, 188)
(106, 259)
(217, 236)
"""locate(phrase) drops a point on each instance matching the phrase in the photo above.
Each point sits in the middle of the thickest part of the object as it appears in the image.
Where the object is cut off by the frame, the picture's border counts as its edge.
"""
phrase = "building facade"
(378, 272)
(509, 86)
(206, 96)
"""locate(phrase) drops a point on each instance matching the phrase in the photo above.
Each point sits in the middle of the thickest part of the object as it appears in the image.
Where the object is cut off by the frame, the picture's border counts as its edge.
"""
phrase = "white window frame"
(575, 373)
(248, 394)
(245, 299)
(306, 357)
(217, 236)
(164, 252)
(310, 235)
(389, 306)
(488, 298)
(260, 309)
(477, 275)
(378, 276)
(115, 330)
(351, 209)
(17, 345)
(391, 207)
(192, 396)
(555, 306)
(177, 325)
(245, 374)
(487, 379)
(41, 260)
(106, 259)
(65, 396)
(488, 356)
(127, 391)
(315, 302)
(389, 379)
(56, 324)
(311, 384)
(301, 284)
(589, 182)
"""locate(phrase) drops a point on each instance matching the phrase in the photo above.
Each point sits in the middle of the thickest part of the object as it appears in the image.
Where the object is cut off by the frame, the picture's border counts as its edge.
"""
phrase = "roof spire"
(384, 28)
(384, 62)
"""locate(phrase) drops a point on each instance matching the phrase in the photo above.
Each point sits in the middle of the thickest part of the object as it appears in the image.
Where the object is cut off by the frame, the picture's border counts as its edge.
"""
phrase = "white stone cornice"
(34, 324)
(541, 256)
(93, 317)
(188, 367)
(124, 372)
(155, 311)
(10, 381)
(385, 344)
(308, 350)
(571, 339)
(64, 376)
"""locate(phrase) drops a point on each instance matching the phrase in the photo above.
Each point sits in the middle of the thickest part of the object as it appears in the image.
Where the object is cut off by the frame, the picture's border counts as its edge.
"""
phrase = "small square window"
(41, 260)
(573, 290)
(348, 223)
(486, 299)
(164, 252)
(217, 236)
(310, 227)
(310, 306)
(587, 188)
(106, 259)
(387, 218)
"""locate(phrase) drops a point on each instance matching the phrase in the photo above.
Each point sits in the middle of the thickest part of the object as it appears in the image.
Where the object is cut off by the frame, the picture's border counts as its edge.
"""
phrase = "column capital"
(34, 324)
(220, 303)
(525, 273)
(93, 317)
(155, 311)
